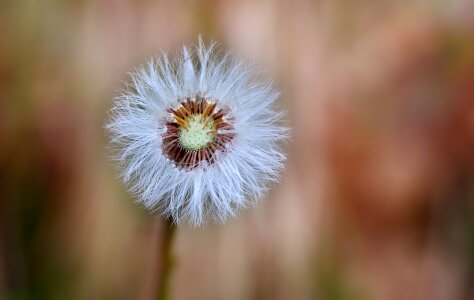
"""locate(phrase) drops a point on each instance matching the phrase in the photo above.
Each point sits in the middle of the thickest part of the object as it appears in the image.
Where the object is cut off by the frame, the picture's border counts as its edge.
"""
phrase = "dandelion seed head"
(198, 137)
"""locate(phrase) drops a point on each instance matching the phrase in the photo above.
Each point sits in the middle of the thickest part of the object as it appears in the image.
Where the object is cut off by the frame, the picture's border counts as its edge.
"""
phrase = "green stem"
(165, 259)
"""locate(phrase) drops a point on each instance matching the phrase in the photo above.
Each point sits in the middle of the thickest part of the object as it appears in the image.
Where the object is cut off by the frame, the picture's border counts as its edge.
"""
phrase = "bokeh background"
(377, 201)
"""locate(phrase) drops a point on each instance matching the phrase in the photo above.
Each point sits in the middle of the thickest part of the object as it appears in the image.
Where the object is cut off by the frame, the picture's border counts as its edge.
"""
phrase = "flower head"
(197, 137)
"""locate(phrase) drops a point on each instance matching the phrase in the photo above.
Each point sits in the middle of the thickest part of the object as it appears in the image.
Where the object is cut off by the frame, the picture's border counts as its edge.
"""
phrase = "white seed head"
(197, 137)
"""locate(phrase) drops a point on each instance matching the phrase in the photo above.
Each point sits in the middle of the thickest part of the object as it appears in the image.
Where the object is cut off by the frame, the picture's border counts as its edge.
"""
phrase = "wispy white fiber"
(242, 174)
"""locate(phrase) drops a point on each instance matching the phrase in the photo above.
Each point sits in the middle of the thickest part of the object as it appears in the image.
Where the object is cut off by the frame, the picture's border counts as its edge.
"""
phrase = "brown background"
(377, 201)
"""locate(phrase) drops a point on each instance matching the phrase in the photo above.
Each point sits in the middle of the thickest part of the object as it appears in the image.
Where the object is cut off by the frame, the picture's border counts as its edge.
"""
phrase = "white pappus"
(198, 137)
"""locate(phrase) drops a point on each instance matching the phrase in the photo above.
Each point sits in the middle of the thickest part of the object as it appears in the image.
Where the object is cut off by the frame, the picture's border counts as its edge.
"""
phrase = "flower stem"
(166, 260)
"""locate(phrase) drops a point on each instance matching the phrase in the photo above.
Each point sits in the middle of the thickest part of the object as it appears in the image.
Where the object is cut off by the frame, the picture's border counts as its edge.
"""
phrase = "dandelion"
(198, 137)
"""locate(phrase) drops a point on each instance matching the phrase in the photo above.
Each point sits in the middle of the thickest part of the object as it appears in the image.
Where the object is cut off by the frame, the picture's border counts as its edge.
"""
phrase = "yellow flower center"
(197, 134)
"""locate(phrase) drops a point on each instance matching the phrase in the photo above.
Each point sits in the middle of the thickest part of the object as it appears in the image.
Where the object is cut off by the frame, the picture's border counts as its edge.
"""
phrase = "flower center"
(196, 130)
(197, 134)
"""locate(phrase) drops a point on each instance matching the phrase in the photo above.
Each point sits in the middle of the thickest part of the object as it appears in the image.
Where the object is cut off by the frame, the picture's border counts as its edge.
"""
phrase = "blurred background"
(377, 201)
